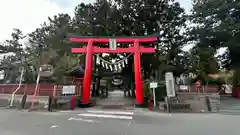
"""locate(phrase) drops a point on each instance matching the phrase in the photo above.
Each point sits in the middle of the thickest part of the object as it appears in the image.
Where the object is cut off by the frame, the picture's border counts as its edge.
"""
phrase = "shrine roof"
(78, 71)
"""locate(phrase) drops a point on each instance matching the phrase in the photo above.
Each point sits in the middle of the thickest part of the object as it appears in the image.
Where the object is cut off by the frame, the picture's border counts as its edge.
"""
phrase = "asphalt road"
(14, 122)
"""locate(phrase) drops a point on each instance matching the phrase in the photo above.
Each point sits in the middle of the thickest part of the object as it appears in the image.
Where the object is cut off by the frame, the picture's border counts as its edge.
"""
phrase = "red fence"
(207, 89)
(48, 89)
(44, 89)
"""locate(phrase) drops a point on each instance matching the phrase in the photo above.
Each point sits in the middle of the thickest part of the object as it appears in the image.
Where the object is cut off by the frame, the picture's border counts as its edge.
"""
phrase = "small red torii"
(90, 49)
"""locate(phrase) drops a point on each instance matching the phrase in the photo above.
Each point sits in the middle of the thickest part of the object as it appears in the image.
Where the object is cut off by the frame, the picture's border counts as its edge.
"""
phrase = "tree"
(138, 18)
(49, 45)
(14, 55)
(218, 26)
(165, 19)
(203, 62)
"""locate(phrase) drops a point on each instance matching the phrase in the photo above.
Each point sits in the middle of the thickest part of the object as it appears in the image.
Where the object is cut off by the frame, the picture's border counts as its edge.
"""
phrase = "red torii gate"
(90, 49)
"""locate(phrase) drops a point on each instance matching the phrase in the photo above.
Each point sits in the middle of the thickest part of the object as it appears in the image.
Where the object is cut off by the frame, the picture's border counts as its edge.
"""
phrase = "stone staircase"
(116, 100)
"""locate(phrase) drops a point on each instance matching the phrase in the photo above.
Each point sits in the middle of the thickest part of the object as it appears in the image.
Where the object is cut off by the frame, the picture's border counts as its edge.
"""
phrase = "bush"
(160, 91)
(146, 90)
(207, 80)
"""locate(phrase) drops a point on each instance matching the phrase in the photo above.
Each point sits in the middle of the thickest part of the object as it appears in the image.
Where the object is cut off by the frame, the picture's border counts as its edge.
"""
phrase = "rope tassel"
(123, 64)
(106, 65)
(110, 66)
(103, 65)
(119, 66)
(98, 60)
(115, 67)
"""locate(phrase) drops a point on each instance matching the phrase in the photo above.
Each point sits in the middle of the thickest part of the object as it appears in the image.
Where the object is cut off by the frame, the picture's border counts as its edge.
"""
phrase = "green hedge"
(160, 91)
(208, 80)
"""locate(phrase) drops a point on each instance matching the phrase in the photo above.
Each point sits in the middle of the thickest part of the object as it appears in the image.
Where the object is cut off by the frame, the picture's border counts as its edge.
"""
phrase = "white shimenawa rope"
(115, 63)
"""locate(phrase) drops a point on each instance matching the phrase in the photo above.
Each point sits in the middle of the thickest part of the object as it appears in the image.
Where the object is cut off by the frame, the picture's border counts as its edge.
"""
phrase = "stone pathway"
(230, 105)
(116, 100)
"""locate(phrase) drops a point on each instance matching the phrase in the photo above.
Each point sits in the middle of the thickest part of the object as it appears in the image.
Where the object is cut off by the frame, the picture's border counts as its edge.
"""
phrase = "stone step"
(115, 99)
(117, 103)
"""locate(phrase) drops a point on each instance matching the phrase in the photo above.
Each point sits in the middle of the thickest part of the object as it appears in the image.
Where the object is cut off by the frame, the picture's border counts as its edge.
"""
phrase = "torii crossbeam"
(90, 49)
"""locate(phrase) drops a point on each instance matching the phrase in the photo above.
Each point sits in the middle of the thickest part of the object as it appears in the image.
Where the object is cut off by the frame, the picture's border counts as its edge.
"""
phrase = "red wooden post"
(150, 106)
(137, 73)
(87, 73)
(73, 103)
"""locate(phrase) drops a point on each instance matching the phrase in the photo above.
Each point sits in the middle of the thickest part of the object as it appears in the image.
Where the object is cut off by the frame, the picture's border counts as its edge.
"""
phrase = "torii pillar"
(90, 49)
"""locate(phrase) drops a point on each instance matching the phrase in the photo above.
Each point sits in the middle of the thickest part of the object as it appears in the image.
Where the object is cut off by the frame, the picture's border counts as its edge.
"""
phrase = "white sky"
(27, 15)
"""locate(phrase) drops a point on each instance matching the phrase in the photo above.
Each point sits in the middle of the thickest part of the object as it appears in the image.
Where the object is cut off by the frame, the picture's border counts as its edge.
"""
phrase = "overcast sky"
(29, 14)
